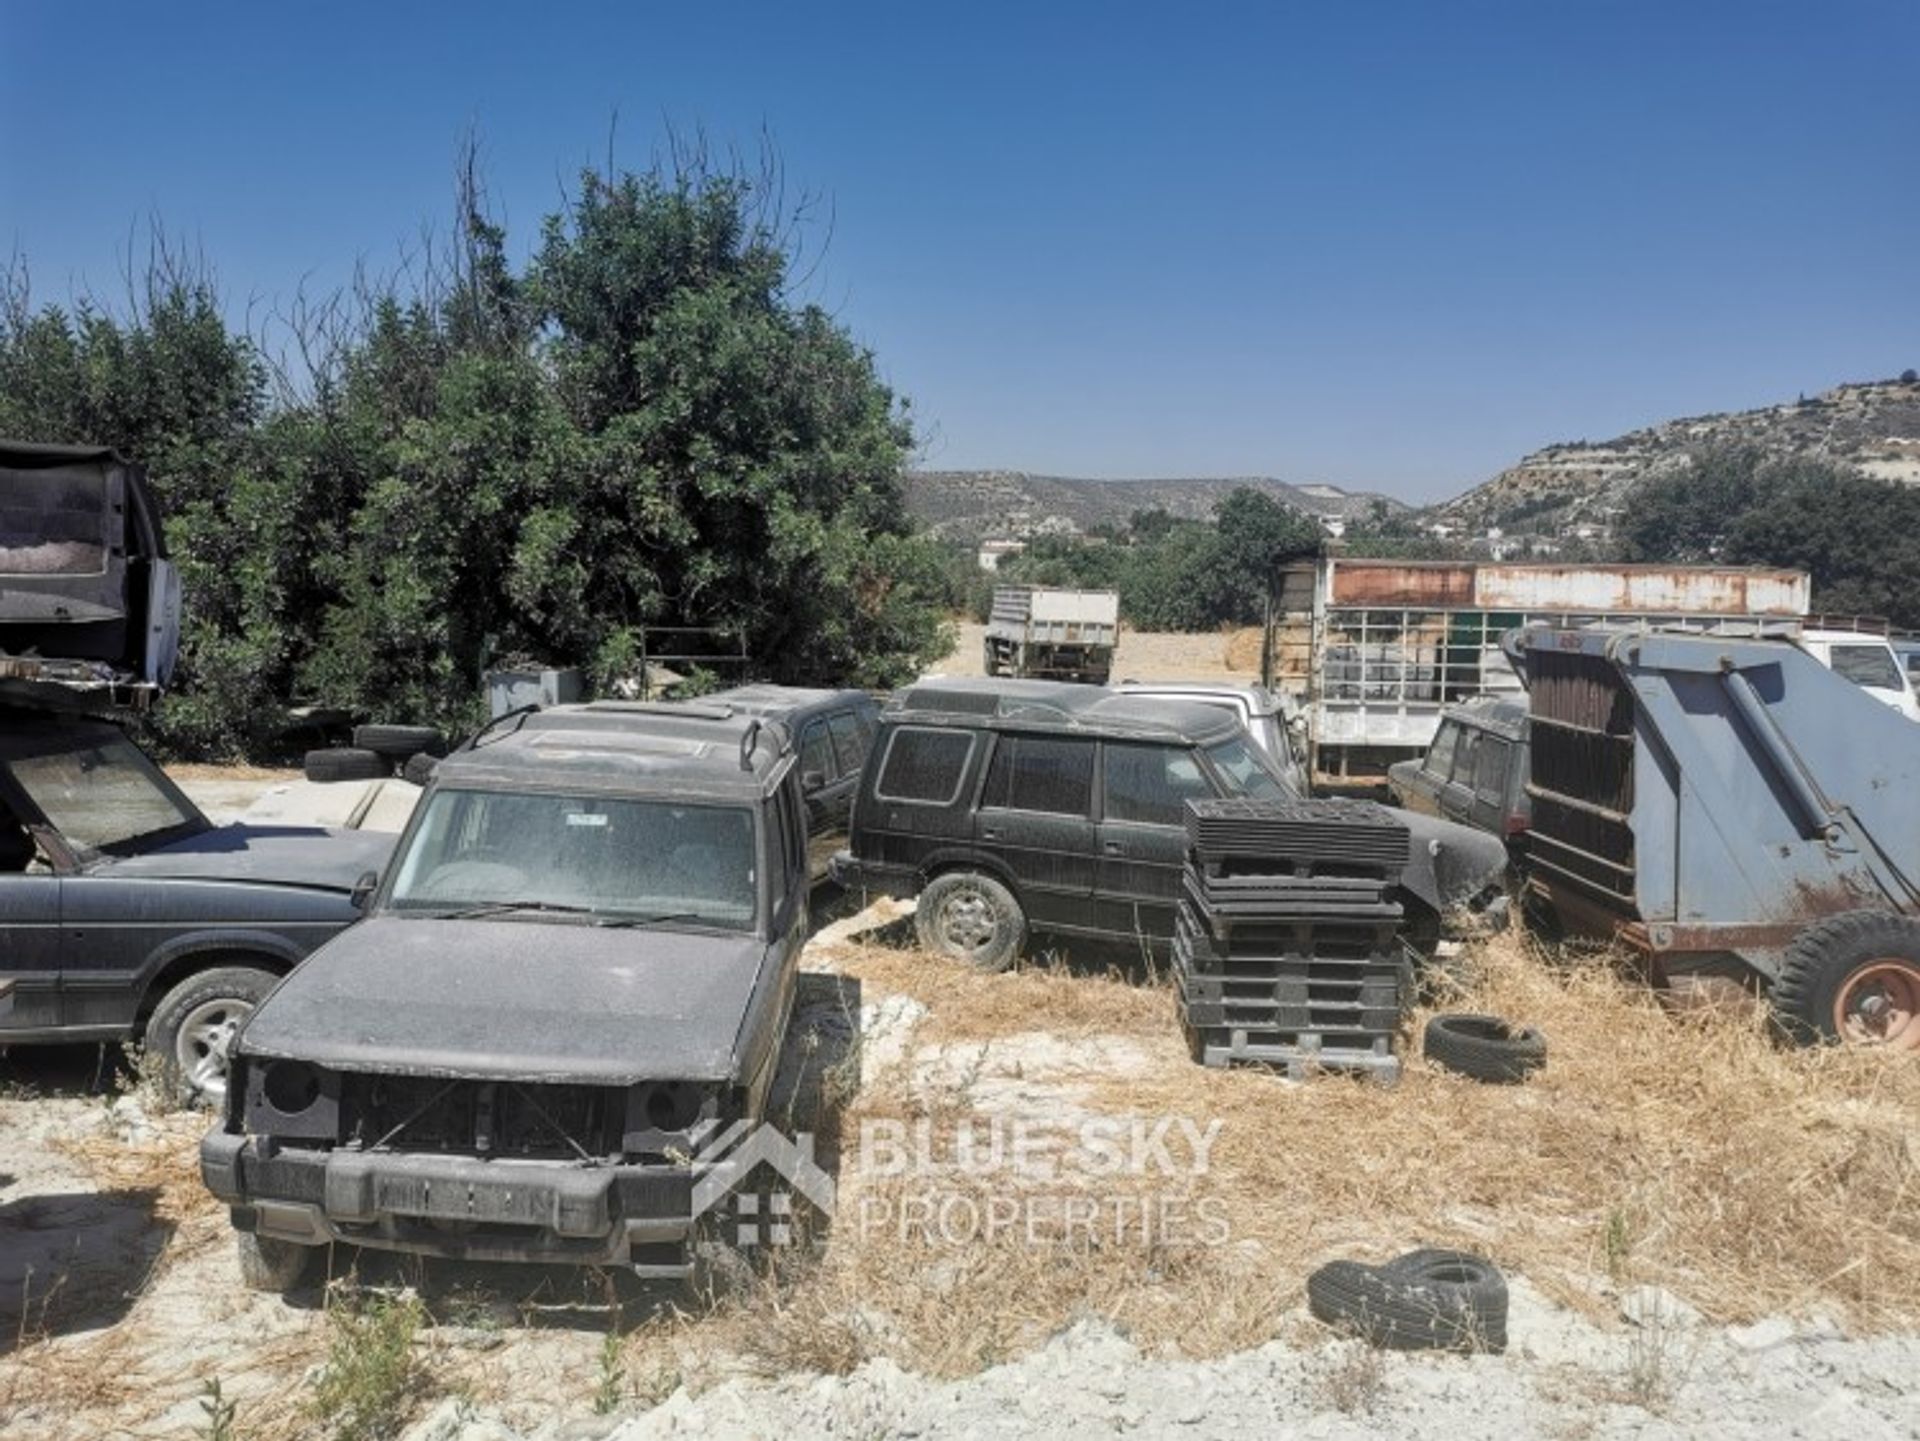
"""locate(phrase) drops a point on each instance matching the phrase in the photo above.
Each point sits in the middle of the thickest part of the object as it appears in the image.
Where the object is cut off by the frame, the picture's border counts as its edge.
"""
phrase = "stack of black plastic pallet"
(1286, 945)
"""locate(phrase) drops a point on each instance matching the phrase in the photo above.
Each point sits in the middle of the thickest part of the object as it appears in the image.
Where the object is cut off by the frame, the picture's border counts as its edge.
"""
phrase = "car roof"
(1504, 713)
(998, 704)
(1257, 698)
(681, 749)
(779, 702)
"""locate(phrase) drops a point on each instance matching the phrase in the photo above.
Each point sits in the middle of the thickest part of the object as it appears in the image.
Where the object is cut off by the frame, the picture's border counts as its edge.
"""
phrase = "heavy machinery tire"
(1424, 1301)
(1853, 979)
(1486, 1048)
(347, 763)
(192, 1028)
(270, 1264)
(400, 742)
(419, 769)
(972, 918)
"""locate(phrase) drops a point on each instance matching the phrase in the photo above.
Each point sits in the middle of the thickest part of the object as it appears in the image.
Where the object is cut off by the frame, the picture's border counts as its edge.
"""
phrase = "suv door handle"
(1113, 848)
(989, 833)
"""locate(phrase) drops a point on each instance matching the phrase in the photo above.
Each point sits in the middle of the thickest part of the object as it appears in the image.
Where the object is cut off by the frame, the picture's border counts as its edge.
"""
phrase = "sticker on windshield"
(584, 818)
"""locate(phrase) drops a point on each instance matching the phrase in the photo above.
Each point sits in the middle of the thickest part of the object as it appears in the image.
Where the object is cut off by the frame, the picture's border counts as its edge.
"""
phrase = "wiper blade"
(634, 923)
(499, 908)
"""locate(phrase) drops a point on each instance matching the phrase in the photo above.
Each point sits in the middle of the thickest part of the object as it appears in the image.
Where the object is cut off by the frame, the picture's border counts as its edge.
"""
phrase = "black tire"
(400, 742)
(347, 763)
(419, 769)
(270, 1264)
(1424, 1301)
(194, 1024)
(1852, 979)
(971, 918)
(1486, 1048)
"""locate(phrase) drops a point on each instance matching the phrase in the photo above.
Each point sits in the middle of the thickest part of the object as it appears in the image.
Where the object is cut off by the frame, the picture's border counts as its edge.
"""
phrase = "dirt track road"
(1144, 655)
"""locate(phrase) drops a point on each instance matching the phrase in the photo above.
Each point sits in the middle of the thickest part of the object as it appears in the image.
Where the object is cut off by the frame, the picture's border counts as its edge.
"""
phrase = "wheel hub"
(202, 1044)
(968, 921)
(1879, 1005)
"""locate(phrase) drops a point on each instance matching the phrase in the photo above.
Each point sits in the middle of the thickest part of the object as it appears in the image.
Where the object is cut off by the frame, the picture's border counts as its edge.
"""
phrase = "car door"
(1456, 794)
(1144, 789)
(827, 794)
(30, 948)
(1036, 818)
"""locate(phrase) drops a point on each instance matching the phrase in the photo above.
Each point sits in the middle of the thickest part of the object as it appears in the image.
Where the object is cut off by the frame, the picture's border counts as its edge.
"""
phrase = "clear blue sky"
(1391, 246)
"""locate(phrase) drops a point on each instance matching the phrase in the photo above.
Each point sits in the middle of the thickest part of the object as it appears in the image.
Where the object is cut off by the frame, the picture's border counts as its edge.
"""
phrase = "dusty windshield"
(105, 796)
(597, 857)
(1867, 665)
(1245, 773)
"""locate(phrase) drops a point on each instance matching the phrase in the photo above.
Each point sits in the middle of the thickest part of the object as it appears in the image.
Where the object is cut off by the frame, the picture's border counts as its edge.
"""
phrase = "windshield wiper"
(632, 923)
(499, 908)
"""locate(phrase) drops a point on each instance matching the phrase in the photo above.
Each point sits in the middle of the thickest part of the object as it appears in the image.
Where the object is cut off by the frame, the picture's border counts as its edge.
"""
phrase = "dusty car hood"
(514, 999)
(274, 855)
(1450, 863)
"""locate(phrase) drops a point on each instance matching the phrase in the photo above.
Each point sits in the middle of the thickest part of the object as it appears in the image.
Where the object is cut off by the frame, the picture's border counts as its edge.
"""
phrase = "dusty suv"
(1014, 807)
(125, 912)
(578, 968)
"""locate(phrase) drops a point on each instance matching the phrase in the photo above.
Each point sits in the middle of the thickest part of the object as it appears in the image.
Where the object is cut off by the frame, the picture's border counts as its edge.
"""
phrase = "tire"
(419, 769)
(347, 763)
(971, 918)
(192, 1028)
(1852, 979)
(270, 1264)
(1426, 1300)
(400, 742)
(1486, 1048)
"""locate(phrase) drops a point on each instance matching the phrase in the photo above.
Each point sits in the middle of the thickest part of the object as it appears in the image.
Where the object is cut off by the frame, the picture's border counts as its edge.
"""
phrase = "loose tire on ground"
(347, 763)
(1427, 1300)
(1853, 979)
(270, 1264)
(400, 742)
(419, 769)
(1486, 1048)
(193, 1027)
(971, 918)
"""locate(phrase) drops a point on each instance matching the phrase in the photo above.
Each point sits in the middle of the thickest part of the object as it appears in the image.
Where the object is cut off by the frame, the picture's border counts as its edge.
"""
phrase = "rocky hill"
(973, 504)
(1575, 488)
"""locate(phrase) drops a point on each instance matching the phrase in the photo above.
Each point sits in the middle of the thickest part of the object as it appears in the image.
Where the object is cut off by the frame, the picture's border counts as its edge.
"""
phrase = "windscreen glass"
(593, 856)
(53, 522)
(105, 795)
(1867, 665)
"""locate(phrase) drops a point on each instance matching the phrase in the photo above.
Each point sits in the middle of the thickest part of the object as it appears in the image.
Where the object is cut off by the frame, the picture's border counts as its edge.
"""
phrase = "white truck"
(1053, 634)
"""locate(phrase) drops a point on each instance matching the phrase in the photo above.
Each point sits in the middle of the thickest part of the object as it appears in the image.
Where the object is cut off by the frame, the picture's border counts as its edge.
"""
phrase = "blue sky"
(1391, 246)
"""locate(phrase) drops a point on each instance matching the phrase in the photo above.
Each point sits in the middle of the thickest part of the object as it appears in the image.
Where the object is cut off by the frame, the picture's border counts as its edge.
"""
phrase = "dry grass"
(1693, 1153)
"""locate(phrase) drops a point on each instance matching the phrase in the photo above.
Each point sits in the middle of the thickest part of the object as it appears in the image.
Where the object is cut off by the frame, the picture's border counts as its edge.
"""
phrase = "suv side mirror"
(362, 893)
(811, 781)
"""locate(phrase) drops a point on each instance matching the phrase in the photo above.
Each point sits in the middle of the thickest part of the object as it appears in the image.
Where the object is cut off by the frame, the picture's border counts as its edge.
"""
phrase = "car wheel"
(972, 918)
(192, 1030)
(270, 1264)
(1853, 979)
(347, 763)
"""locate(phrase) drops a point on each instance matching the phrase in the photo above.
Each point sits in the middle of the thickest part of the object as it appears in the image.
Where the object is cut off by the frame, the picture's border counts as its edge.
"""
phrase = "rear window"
(1867, 665)
(53, 522)
(1040, 773)
(924, 766)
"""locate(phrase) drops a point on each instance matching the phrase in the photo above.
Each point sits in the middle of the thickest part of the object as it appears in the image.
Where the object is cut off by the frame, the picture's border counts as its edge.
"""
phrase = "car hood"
(517, 1000)
(307, 856)
(1450, 864)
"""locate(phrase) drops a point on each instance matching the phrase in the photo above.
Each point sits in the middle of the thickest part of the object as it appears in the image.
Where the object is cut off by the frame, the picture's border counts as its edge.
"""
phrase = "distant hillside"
(1577, 487)
(972, 504)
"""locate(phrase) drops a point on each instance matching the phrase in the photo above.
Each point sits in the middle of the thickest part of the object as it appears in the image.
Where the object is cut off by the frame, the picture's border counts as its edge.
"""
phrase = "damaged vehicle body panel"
(89, 602)
(575, 978)
(1730, 807)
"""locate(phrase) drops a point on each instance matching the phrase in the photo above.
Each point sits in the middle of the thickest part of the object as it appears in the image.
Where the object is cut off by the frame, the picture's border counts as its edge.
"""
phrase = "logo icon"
(760, 1211)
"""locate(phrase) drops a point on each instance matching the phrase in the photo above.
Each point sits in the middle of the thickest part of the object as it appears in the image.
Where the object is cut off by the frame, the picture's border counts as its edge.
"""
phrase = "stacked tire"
(379, 752)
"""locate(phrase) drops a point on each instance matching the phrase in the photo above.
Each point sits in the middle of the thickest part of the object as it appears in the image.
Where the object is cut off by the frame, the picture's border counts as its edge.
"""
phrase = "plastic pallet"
(1298, 1054)
(1373, 941)
(1369, 993)
(1220, 913)
(1310, 829)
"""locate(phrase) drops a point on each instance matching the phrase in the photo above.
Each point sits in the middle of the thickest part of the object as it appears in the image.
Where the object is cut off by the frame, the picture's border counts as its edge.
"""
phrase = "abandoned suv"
(576, 972)
(125, 912)
(1013, 807)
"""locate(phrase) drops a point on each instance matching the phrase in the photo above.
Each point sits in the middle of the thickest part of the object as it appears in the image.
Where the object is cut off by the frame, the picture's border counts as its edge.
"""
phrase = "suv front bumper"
(460, 1207)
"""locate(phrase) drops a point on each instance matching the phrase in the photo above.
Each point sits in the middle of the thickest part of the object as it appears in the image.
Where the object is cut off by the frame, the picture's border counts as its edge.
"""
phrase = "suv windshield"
(104, 795)
(1245, 773)
(599, 856)
(1866, 665)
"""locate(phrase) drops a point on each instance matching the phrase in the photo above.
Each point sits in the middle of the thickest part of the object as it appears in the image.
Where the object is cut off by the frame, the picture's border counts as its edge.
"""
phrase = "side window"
(780, 844)
(924, 765)
(1440, 757)
(1041, 773)
(1463, 756)
(816, 751)
(1151, 784)
(850, 741)
(1491, 772)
